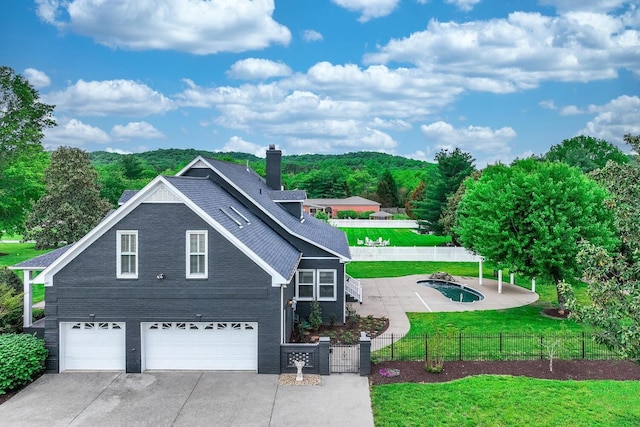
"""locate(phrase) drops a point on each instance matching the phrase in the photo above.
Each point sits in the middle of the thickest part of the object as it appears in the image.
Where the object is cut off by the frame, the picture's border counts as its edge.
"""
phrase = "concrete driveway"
(187, 399)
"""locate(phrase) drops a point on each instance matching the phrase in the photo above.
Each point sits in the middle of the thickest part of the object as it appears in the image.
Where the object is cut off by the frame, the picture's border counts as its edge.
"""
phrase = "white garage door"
(92, 346)
(228, 346)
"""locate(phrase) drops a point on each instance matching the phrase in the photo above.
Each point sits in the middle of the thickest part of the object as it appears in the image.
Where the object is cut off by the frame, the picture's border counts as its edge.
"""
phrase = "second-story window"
(197, 254)
(127, 254)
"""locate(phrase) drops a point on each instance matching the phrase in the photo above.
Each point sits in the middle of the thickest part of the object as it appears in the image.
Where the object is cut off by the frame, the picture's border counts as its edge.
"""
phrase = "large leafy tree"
(71, 205)
(453, 167)
(387, 190)
(614, 278)
(532, 217)
(586, 152)
(22, 159)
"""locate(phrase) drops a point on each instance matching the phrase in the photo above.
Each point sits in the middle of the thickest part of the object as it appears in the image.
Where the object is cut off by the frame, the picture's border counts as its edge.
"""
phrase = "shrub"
(21, 358)
(353, 318)
(434, 356)
(322, 216)
(365, 214)
(347, 214)
(315, 315)
(10, 309)
(10, 279)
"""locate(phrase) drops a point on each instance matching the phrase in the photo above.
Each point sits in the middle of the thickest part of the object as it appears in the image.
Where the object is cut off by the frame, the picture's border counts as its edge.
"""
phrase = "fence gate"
(344, 358)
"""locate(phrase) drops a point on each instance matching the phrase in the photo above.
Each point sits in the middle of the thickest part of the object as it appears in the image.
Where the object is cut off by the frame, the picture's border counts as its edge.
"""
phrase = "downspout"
(282, 314)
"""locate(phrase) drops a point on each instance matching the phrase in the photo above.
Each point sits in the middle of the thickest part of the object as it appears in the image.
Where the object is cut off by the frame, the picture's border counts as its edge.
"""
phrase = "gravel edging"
(307, 380)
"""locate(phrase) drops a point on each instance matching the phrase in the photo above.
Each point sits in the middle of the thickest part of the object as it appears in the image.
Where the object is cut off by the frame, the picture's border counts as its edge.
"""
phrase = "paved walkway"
(394, 297)
(187, 398)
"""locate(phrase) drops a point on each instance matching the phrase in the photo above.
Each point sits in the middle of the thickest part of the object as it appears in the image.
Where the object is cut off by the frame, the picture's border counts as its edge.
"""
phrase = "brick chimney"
(274, 168)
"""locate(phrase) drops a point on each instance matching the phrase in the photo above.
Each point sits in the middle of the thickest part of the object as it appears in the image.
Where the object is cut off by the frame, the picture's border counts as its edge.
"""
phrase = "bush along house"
(205, 270)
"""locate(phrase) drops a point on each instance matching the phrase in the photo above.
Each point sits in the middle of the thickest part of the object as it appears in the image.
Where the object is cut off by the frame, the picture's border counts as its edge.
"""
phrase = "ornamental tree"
(532, 217)
(614, 279)
(71, 205)
(22, 159)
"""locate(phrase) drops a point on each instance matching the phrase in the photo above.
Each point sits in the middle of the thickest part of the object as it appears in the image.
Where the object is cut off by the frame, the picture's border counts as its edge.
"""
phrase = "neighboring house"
(333, 206)
(204, 270)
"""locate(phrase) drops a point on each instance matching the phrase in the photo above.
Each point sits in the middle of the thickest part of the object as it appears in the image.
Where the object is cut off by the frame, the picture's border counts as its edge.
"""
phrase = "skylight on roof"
(239, 214)
(231, 217)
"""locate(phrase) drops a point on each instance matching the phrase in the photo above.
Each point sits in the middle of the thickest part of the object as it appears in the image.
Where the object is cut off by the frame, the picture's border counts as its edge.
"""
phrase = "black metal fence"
(502, 346)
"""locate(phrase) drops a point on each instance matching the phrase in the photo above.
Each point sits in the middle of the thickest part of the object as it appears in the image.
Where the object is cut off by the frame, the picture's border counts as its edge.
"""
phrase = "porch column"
(499, 281)
(480, 272)
(27, 312)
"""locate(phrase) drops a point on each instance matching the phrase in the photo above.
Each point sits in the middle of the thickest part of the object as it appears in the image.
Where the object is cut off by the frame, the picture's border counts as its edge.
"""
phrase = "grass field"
(495, 400)
(396, 236)
(508, 401)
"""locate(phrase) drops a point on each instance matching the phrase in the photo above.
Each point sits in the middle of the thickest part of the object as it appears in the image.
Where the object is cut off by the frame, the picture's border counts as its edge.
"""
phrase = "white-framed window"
(127, 254)
(305, 285)
(197, 254)
(327, 285)
(318, 285)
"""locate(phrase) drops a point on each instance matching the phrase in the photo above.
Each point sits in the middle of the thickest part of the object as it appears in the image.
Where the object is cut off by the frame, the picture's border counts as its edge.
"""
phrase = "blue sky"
(499, 79)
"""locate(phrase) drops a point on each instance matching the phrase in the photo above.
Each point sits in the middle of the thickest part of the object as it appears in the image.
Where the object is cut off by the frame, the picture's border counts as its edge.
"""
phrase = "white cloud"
(311, 36)
(116, 150)
(505, 55)
(37, 78)
(110, 97)
(549, 104)
(483, 142)
(258, 69)
(614, 119)
(464, 5)
(570, 110)
(73, 133)
(196, 26)
(136, 130)
(368, 8)
(238, 144)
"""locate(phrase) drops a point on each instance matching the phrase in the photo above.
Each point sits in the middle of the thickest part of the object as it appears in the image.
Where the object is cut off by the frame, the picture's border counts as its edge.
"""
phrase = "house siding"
(328, 308)
(237, 289)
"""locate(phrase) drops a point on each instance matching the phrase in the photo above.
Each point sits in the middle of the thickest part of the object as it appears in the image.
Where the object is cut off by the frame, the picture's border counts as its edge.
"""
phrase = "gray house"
(205, 270)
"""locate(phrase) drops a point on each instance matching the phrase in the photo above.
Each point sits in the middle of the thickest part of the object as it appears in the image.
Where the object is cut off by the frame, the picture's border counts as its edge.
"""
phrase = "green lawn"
(374, 269)
(14, 253)
(396, 236)
(507, 401)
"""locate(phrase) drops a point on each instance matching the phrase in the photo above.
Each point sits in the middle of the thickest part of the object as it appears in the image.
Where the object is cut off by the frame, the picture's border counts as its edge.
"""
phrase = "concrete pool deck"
(394, 297)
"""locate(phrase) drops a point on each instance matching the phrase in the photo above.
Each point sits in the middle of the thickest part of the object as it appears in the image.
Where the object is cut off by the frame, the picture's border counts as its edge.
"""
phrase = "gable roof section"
(253, 186)
(240, 222)
(256, 240)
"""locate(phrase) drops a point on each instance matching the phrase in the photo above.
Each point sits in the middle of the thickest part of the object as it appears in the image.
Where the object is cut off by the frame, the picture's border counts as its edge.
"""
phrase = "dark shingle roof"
(240, 222)
(126, 195)
(311, 229)
(288, 195)
(42, 261)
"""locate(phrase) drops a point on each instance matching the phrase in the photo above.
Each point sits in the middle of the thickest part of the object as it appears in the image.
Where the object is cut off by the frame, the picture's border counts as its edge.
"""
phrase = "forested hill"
(335, 175)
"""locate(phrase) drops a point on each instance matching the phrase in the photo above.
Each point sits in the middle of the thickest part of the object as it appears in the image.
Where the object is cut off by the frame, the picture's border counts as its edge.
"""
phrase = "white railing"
(373, 223)
(353, 287)
(413, 253)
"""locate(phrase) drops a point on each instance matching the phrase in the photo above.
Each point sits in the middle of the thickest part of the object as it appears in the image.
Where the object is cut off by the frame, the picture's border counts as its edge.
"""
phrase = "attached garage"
(225, 346)
(98, 346)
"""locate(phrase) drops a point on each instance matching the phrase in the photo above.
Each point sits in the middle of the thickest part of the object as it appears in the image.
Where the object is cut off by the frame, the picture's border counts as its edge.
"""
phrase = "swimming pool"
(453, 291)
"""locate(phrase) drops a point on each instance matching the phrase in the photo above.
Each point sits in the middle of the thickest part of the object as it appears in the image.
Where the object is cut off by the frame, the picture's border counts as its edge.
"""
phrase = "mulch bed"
(414, 372)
